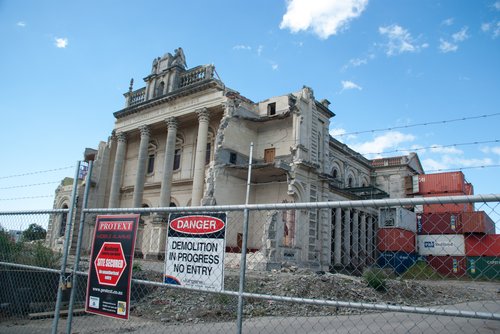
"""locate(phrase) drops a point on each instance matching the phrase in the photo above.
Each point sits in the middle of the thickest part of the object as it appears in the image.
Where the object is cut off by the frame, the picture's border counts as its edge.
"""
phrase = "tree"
(34, 232)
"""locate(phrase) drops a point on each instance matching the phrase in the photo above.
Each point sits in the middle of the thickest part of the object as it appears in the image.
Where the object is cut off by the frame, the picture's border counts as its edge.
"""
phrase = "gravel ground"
(175, 305)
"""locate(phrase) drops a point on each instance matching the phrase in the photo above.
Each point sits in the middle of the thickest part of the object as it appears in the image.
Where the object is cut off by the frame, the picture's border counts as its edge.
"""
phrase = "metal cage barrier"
(349, 266)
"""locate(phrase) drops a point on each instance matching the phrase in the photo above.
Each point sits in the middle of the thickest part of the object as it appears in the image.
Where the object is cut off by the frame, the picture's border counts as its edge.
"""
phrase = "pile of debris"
(167, 304)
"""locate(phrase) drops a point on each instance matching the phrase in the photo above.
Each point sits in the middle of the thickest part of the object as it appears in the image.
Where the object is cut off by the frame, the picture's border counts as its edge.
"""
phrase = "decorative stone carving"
(203, 115)
(179, 58)
(145, 130)
(171, 123)
(121, 137)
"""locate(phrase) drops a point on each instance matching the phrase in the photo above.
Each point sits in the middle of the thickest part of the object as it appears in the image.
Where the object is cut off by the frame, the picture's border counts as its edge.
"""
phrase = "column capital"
(121, 137)
(145, 130)
(203, 115)
(172, 123)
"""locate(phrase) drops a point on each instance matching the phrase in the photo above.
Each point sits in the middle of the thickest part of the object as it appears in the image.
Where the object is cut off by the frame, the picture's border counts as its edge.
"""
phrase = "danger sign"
(195, 250)
(110, 263)
(108, 286)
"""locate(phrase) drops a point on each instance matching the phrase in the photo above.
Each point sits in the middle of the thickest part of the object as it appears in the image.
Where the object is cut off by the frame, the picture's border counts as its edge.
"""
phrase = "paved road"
(388, 322)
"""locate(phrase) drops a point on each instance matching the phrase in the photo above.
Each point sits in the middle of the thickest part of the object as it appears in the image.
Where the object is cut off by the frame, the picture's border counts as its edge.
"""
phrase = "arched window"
(64, 221)
(152, 148)
(366, 181)
(179, 142)
(210, 142)
(335, 173)
(159, 89)
(350, 182)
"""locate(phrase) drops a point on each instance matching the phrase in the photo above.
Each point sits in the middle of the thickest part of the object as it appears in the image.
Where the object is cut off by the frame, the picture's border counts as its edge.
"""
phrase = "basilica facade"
(184, 140)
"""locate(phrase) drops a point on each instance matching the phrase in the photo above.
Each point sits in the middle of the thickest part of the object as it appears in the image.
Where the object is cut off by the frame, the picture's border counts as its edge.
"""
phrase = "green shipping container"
(484, 267)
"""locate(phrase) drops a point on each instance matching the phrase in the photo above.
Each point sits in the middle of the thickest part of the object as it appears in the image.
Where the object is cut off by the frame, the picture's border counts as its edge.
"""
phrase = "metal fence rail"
(352, 266)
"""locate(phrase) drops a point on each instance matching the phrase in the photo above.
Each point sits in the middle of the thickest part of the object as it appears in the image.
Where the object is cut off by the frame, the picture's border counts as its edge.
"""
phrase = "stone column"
(116, 179)
(355, 239)
(166, 184)
(347, 237)
(141, 166)
(199, 163)
(370, 242)
(337, 252)
(362, 240)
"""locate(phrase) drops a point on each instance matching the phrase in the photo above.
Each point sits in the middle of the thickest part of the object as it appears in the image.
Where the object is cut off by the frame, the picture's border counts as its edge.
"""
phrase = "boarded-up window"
(269, 155)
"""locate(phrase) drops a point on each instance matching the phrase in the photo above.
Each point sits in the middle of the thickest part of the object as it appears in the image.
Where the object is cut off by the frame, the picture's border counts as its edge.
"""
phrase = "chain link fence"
(399, 265)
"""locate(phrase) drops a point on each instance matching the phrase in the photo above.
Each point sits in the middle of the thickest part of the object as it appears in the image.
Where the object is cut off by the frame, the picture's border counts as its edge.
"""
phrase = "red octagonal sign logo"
(110, 263)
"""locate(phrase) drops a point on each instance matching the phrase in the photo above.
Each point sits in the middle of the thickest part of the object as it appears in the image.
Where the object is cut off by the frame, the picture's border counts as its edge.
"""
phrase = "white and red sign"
(110, 263)
(195, 250)
(110, 272)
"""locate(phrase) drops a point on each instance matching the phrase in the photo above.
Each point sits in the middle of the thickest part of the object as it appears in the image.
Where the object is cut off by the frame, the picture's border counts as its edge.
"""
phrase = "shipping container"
(397, 217)
(482, 245)
(439, 223)
(449, 182)
(477, 222)
(396, 240)
(484, 267)
(447, 207)
(469, 189)
(441, 244)
(449, 266)
(397, 261)
(455, 223)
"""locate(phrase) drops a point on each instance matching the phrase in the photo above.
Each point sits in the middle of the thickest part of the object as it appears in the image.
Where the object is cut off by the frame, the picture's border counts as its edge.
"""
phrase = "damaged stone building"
(184, 140)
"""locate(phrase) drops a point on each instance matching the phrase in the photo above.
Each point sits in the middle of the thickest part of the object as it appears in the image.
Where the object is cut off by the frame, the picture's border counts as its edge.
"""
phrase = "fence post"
(78, 249)
(243, 261)
(65, 249)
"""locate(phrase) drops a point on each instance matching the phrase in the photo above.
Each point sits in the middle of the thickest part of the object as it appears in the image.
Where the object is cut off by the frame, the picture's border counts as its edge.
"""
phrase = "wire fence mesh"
(355, 266)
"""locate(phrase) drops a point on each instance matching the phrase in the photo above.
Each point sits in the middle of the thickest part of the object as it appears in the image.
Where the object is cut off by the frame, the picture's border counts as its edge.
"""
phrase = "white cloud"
(347, 85)
(337, 132)
(274, 67)
(21, 24)
(400, 40)
(61, 43)
(358, 62)
(496, 5)
(389, 140)
(496, 32)
(452, 46)
(494, 150)
(451, 158)
(463, 162)
(260, 49)
(355, 62)
(340, 134)
(445, 150)
(461, 35)
(323, 17)
(448, 22)
(242, 47)
(445, 46)
(494, 27)
(433, 165)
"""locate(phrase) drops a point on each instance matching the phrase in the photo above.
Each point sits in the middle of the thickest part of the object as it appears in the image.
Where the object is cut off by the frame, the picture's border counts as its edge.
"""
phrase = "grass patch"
(376, 278)
(421, 271)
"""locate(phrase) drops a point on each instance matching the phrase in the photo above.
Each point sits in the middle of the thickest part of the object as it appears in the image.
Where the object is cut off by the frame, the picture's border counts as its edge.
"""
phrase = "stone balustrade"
(137, 96)
(195, 75)
(186, 79)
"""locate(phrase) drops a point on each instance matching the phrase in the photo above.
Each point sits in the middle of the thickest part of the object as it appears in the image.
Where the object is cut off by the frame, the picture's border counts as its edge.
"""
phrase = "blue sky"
(382, 64)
